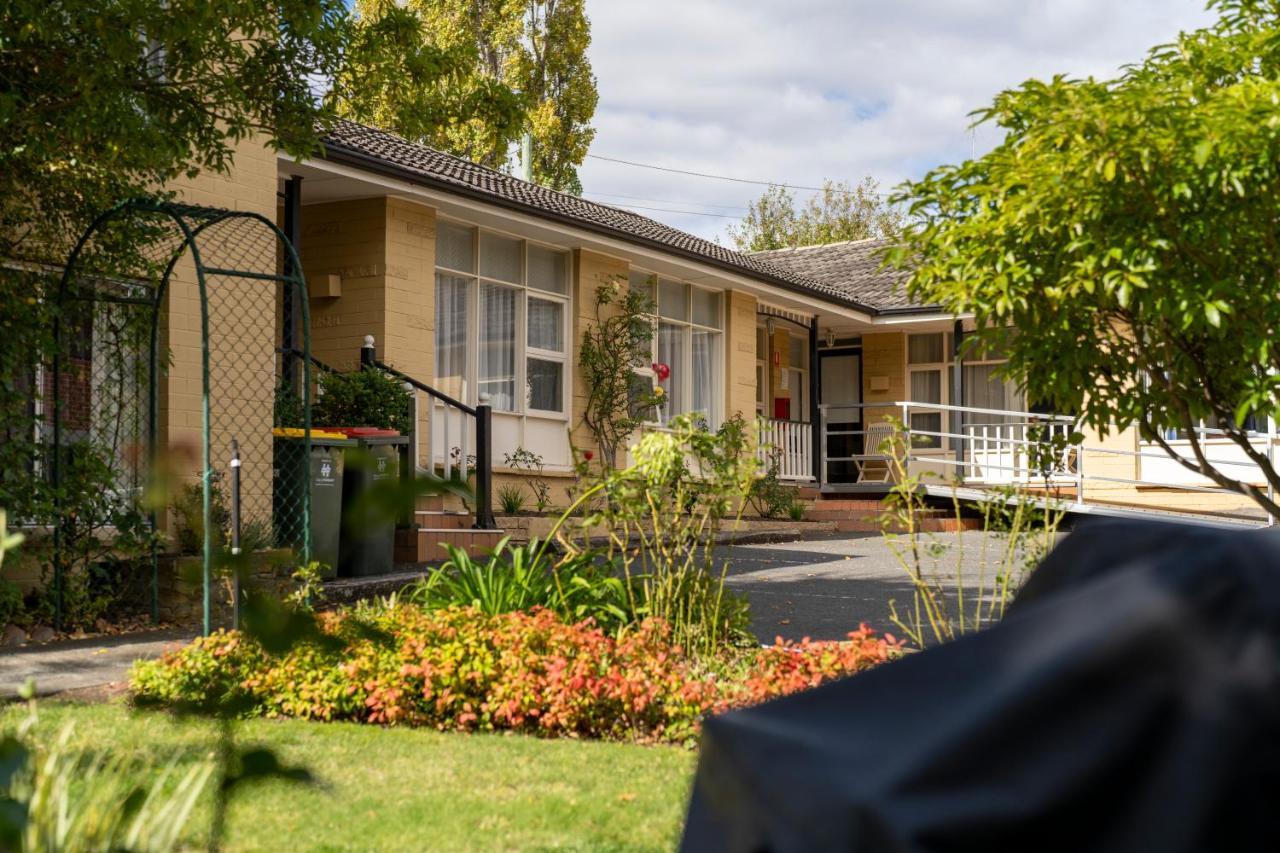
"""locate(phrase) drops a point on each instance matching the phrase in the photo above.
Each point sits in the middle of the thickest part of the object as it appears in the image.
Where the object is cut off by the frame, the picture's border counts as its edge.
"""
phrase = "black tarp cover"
(1129, 700)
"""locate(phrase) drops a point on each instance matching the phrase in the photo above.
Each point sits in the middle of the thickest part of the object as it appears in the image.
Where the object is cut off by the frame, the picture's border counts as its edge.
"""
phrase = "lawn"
(409, 789)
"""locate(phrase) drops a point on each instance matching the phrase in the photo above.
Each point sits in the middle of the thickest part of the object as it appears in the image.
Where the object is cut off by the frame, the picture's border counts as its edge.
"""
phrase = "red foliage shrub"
(459, 669)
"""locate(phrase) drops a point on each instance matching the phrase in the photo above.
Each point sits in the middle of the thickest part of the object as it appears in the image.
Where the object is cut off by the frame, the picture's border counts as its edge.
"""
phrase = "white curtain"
(705, 347)
(451, 334)
(497, 375)
(983, 389)
(671, 353)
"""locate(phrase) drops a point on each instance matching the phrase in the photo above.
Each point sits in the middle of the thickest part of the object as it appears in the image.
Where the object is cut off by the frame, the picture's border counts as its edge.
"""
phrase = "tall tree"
(106, 99)
(841, 211)
(1127, 230)
(537, 48)
(103, 99)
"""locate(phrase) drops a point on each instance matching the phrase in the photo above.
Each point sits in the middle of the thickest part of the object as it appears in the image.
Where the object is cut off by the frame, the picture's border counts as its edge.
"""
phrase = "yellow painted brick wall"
(242, 337)
(740, 349)
(590, 270)
(347, 239)
(883, 356)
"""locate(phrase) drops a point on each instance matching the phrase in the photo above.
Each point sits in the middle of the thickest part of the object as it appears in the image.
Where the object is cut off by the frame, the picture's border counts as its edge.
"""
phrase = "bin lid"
(365, 432)
(298, 432)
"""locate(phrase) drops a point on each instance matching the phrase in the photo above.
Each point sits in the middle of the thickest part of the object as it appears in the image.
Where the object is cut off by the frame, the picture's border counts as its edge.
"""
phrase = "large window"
(926, 377)
(688, 339)
(501, 310)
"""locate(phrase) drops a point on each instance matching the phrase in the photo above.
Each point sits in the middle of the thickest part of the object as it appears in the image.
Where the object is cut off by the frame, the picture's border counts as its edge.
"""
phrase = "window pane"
(673, 300)
(702, 390)
(762, 344)
(639, 393)
(500, 257)
(799, 352)
(451, 334)
(455, 247)
(497, 375)
(645, 283)
(548, 270)
(671, 353)
(926, 349)
(546, 325)
(706, 308)
(926, 422)
(546, 385)
(926, 386)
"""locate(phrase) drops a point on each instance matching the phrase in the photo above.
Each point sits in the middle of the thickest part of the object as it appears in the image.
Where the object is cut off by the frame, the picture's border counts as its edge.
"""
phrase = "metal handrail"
(482, 414)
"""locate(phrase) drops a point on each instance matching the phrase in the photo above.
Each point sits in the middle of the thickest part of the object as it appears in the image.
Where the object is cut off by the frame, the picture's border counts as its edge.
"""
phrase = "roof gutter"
(360, 160)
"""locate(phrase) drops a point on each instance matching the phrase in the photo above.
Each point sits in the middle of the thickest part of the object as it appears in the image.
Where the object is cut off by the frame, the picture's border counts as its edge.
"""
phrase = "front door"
(841, 373)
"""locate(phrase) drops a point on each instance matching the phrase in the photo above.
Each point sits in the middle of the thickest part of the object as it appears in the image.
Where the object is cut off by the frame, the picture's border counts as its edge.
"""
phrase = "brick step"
(443, 519)
(850, 503)
(926, 525)
(429, 503)
(822, 513)
(426, 545)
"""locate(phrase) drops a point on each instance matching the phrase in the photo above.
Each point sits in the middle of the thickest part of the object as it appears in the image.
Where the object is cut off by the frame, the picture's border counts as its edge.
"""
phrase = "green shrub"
(10, 600)
(523, 577)
(367, 398)
(460, 669)
(768, 496)
(796, 511)
(511, 499)
(661, 516)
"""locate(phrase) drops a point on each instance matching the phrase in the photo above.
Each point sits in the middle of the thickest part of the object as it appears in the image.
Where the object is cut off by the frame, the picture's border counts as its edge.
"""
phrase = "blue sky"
(802, 90)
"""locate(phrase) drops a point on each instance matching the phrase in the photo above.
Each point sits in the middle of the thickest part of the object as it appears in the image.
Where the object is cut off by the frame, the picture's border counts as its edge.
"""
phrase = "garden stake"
(235, 533)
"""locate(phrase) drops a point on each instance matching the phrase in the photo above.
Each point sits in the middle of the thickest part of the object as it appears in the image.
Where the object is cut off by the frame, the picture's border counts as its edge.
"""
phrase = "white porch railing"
(986, 447)
(791, 442)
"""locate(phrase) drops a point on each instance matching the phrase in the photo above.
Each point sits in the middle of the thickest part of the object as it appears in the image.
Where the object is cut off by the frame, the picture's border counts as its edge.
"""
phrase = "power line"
(671, 210)
(665, 200)
(721, 177)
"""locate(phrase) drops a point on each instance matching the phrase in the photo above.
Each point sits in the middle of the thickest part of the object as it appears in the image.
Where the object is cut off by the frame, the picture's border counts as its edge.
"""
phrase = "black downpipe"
(815, 414)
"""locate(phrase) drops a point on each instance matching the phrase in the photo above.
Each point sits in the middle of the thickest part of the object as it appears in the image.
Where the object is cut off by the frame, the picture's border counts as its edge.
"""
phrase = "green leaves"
(1126, 229)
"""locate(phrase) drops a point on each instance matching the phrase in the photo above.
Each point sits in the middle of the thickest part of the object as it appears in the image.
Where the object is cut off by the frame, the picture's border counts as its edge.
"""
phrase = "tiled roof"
(375, 150)
(854, 268)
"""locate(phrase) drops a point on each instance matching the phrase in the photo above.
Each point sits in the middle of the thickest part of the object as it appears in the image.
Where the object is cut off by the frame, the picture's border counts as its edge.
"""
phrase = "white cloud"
(803, 90)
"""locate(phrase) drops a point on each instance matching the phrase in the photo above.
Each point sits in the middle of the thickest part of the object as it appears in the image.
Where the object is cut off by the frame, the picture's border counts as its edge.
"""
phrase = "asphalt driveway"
(824, 587)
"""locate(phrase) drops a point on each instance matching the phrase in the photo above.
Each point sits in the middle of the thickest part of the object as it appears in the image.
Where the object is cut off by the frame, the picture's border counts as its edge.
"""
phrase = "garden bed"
(458, 669)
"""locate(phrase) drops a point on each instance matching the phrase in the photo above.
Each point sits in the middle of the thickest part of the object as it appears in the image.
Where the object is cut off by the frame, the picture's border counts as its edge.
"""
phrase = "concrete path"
(80, 664)
(821, 587)
(824, 587)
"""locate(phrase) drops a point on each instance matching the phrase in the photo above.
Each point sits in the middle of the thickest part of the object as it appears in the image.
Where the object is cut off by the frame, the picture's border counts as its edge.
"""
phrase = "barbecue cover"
(1129, 700)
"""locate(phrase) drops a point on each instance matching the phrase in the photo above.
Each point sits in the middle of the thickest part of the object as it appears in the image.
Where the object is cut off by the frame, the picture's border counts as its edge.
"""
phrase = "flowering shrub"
(458, 669)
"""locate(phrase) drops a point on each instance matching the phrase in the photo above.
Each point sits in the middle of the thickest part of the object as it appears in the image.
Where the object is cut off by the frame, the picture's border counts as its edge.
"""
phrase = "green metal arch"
(206, 218)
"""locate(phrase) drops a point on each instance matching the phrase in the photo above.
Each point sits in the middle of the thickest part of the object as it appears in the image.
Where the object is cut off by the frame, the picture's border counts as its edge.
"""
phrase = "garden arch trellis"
(216, 299)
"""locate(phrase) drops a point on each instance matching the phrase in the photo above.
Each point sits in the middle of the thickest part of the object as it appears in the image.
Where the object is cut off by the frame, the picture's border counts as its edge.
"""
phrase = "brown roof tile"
(379, 151)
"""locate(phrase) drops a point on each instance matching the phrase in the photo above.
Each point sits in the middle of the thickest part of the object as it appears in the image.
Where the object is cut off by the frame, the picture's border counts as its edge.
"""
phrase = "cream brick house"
(480, 285)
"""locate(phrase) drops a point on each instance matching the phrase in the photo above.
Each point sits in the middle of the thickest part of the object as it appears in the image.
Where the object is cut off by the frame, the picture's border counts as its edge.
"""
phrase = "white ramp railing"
(990, 447)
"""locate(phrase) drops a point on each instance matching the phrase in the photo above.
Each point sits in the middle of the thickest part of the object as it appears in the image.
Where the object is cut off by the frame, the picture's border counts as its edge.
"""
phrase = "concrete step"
(426, 545)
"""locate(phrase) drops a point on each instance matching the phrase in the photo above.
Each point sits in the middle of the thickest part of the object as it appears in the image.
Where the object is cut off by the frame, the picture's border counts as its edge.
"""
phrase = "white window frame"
(523, 351)
(923, 407)
(685, 370)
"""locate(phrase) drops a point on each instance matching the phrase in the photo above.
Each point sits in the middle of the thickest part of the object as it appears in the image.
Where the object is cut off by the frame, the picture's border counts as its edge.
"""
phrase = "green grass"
(409, 789)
